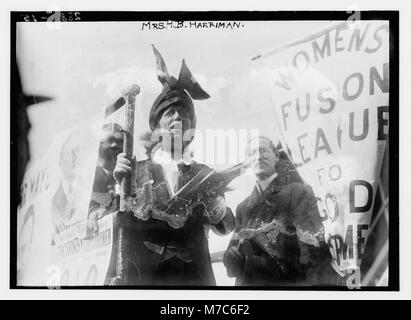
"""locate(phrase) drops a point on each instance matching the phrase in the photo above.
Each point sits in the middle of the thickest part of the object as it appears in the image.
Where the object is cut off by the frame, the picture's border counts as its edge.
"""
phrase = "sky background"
(85, 65)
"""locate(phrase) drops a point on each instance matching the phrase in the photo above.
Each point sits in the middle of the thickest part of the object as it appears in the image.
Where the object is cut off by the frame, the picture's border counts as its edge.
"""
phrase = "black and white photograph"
(204, 150)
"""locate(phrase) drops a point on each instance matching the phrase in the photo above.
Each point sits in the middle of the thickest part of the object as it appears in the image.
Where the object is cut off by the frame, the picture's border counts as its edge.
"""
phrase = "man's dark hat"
(180, 91)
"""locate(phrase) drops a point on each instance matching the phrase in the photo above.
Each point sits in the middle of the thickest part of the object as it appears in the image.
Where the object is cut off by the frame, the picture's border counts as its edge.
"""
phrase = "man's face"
(261, 158)
(173, 123)
(110, 146)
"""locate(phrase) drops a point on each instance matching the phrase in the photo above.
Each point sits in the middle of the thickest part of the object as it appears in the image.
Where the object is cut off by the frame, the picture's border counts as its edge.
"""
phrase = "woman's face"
(173, 123)
(175, 120)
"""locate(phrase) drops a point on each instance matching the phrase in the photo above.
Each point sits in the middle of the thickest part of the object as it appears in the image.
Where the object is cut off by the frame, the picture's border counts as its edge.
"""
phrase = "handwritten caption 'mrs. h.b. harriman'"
(163, 25)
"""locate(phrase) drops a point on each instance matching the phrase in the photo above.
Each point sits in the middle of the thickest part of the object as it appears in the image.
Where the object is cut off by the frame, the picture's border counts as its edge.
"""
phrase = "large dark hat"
(180, 91)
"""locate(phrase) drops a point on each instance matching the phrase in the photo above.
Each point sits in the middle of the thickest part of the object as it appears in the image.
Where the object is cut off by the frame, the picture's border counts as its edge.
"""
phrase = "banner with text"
(53, 248)
(330, 93)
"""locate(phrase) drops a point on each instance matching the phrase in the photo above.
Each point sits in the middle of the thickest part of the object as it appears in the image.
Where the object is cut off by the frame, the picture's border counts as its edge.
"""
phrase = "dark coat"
(294, 205)
(150, 265)
(103, 195)
(103, 181)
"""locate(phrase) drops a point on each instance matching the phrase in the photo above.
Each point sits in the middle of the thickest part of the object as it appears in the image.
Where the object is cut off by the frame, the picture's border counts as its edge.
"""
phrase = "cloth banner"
(329, 91)
(52, 248)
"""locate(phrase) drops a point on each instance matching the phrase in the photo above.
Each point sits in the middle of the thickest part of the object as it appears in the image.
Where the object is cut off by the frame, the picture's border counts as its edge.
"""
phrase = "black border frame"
(88, 16)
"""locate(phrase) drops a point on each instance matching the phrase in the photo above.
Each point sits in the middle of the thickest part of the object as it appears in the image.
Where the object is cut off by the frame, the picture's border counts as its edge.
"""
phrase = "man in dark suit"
(111, 145)
(172, 248)
(104, 199)
(276, 226)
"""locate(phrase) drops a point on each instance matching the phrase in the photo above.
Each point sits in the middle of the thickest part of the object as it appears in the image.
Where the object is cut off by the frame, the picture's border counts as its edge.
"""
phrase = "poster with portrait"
(54, 248)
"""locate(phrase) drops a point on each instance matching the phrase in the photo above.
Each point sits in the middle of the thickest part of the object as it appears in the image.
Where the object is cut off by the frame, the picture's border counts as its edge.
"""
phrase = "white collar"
(164, 158)
(169, 165)
(109, 173)
(263, 184)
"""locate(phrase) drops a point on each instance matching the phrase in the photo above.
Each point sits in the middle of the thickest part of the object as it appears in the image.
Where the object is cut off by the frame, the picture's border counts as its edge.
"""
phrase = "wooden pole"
(122, 245)
(130, 99)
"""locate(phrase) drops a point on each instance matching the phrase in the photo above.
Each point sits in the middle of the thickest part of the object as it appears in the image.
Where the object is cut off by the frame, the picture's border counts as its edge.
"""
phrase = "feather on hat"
(180, 91)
